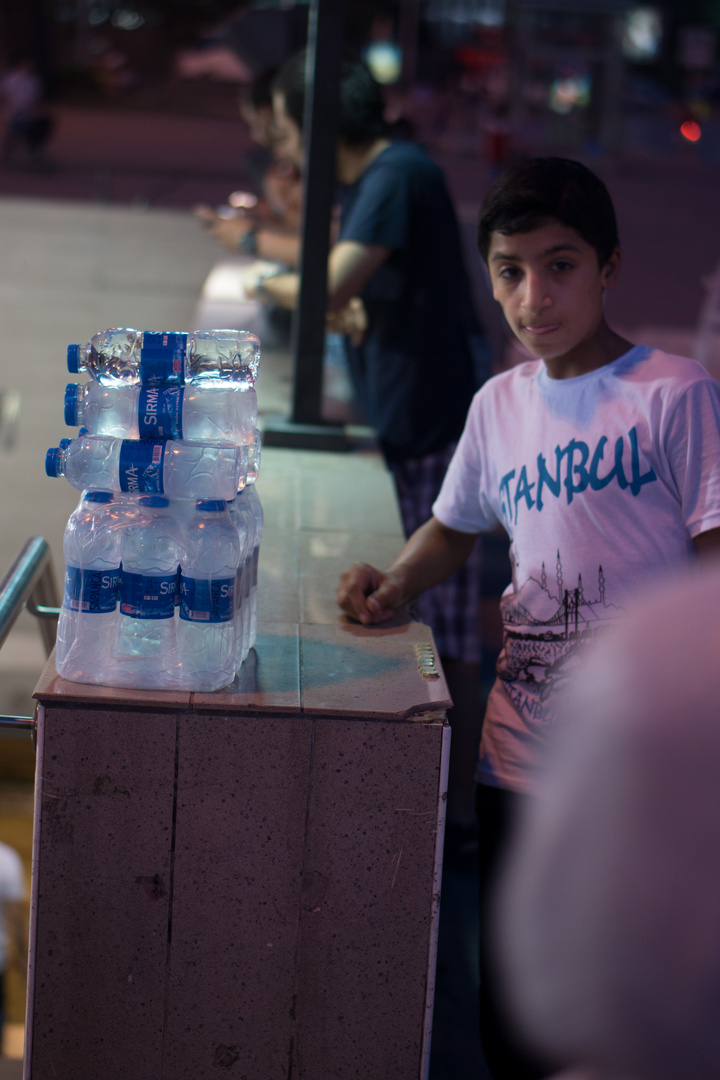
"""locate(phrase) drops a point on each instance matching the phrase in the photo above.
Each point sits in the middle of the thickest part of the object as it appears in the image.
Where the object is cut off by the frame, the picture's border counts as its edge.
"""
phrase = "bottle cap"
(73, 357)
(82, 431)
(71, 403)
(157, 501)
(51, 461)
(210, 505)
(64, 443)
(98, 496)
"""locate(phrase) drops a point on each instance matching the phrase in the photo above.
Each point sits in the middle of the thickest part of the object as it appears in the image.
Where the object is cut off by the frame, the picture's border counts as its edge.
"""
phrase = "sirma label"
(94, 592)
(148, 596)
(206, 601)
(160, 412)
(141, 466)
(162, 359)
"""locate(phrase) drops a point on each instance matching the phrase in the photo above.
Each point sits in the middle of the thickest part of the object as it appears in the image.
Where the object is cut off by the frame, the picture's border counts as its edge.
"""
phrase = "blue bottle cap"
(51, 461)
(210, 505)
(64, 443)
(98, 496)
(82, 431)
(73, 356)
(71, 403)
(157, 501)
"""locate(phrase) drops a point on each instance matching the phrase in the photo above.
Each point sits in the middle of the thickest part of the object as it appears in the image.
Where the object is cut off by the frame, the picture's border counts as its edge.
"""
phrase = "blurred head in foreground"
(609, 911)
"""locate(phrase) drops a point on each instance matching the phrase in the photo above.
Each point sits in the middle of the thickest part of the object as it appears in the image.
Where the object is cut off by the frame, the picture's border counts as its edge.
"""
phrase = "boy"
(600, 459)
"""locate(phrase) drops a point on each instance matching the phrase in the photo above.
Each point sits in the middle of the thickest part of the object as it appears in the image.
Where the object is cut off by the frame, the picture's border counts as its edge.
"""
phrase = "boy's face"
(551, 288)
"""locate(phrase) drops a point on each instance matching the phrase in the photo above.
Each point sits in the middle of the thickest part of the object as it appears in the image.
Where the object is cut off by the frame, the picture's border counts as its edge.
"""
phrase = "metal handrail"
(26, 723)
(30, 583)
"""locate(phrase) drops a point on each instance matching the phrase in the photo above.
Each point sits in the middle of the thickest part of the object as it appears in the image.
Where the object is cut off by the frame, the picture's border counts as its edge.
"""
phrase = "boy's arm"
(707, 544)
(432, 553)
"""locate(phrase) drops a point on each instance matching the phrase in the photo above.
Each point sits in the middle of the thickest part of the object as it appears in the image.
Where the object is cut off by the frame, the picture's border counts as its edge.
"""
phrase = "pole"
(409, 23)
(320, 122)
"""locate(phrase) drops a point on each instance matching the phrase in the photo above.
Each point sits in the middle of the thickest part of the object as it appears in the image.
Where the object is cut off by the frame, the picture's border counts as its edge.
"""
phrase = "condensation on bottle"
(145, 647)
(125, 357)
(88, 617)
(225, 413)
(208, 571)
(178, 469)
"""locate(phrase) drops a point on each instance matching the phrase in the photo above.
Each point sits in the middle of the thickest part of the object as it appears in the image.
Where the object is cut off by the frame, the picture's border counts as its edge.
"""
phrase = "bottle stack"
(161, 554)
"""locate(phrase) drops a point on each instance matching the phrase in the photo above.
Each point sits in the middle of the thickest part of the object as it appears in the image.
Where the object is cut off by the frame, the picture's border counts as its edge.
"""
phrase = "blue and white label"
(148, 596)
(160, 412)
(92, 592)
(162, 359)
(140, 466)
(206, 601)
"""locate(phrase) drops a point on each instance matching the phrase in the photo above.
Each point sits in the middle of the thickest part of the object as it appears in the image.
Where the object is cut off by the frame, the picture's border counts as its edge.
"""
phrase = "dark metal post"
(324, 51)
(409, 23)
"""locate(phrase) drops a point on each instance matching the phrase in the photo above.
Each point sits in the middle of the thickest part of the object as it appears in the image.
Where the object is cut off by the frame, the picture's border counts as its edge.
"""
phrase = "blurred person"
(601, 459)
(608, 908)
(270, 230)
(28, 126)
(269, 235)
(13, 939)
(422, 355)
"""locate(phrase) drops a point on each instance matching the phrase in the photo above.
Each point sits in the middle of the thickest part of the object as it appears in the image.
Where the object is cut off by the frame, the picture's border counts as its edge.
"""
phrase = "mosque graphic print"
(548, 626)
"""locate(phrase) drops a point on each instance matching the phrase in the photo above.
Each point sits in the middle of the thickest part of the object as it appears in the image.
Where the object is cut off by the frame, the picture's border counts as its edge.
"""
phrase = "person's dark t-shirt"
(414, 372)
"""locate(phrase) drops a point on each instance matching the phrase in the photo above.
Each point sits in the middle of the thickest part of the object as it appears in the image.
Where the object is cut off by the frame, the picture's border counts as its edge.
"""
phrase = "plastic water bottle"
(256, 510)
(243, 522)
(145, 652)
(178, 469)
(243, 510)
(126, 357)
(88, 617)
(223, 413)
(254, 451)
(206, 630)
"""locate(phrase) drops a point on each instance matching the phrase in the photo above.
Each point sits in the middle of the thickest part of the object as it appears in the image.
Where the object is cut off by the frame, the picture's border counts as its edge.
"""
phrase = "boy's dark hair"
(530, 194)
(362, 108)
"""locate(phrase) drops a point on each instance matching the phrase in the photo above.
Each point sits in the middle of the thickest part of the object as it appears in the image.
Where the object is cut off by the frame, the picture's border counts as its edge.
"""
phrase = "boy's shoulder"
(667, 375)
(642, 364)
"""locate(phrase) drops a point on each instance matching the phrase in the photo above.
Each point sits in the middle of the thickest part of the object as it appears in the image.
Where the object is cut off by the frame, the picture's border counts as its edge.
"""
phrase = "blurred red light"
(691, 130)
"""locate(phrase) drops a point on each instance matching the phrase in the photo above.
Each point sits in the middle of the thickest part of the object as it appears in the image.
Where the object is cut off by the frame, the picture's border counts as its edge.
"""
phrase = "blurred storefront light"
(384, 59)
(573, 91)
(642, 34)
(126, 19)
(469, 12)
(691, 130)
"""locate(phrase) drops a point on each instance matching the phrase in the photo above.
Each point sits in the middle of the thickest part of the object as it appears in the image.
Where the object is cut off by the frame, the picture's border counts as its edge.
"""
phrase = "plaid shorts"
(452, 608)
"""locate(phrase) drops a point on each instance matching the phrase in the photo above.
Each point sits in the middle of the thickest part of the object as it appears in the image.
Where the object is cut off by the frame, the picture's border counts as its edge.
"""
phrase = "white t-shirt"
(12, 888)
(601, 482)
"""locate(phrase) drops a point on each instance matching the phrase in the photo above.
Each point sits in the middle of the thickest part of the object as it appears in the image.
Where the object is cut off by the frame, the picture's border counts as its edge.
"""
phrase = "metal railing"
(29, 583)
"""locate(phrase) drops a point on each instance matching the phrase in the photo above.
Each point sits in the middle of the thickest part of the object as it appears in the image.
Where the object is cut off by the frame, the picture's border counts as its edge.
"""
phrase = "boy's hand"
(369, 595)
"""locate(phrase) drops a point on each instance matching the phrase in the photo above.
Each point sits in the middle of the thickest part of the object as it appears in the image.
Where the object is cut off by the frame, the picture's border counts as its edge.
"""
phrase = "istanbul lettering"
(576, 470)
